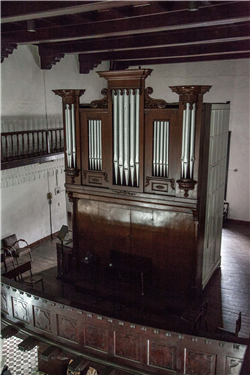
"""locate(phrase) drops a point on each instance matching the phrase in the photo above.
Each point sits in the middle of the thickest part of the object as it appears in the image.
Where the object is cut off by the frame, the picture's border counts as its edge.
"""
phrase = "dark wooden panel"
(167, 238)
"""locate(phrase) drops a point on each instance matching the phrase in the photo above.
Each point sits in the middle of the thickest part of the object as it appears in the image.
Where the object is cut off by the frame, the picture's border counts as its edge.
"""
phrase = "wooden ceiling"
(127, 33)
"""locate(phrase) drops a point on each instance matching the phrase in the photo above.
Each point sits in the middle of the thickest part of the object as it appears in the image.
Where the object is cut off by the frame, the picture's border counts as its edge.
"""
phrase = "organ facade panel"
(137, 173)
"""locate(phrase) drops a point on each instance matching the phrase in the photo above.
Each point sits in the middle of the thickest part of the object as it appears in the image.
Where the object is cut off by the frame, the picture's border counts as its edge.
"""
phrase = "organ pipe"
(95, 145)
(126, 136)
(161, 148)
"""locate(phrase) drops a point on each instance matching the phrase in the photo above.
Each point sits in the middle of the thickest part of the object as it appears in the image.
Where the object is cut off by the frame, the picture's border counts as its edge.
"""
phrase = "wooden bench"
(17, 275)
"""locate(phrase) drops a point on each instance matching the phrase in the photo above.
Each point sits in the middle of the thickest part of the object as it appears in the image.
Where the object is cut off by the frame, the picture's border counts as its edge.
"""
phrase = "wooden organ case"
(138, 176)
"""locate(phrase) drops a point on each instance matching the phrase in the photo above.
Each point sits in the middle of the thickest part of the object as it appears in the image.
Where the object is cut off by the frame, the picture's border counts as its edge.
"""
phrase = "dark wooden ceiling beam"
(21, 12)
(186, 59)
(232, 13)
(149, 40)
(184, 50)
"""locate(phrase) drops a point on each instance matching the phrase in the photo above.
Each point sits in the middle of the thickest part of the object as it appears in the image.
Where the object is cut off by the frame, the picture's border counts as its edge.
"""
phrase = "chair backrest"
(9, 241)
(12, 274)
(238, 325)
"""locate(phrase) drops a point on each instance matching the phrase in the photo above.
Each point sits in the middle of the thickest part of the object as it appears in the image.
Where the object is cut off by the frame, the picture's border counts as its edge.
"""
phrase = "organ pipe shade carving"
(126, 136)
(70, 135)
(188, 138)
(95, 145)
(161, 148)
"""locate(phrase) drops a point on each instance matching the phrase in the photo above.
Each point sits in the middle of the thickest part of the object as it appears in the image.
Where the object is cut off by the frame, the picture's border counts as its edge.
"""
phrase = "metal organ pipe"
(68, 136)
(188, 141)
(137, 140)
(192, 138)
(95, 145)
(161, 148)
(73, 136)
(121, 126)
(132, 137)
(126, 136)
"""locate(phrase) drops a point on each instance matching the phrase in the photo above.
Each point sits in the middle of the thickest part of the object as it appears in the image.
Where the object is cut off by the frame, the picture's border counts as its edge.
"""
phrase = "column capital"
(190, 94)
(69, 96)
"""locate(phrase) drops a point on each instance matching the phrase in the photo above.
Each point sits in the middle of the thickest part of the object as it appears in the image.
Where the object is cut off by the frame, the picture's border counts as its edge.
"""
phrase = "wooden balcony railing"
(30, 146)
(114, 343)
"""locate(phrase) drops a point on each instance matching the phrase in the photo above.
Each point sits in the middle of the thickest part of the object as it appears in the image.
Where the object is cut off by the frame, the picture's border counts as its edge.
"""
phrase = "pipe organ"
(137, 172)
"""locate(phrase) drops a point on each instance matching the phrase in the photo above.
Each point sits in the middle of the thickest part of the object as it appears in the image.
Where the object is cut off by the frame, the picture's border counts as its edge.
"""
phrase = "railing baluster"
(1, 148)
(24, 144)
(56, 137)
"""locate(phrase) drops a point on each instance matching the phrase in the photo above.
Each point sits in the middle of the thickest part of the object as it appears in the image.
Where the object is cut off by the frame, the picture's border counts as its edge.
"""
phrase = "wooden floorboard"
(228, 290)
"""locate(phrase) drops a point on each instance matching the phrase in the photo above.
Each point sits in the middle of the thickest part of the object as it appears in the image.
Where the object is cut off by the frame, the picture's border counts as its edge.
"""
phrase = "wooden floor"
(228, 290)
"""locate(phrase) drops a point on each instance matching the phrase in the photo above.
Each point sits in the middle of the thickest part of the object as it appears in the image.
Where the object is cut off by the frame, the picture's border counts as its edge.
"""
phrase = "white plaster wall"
(27, 102)
(230, 82)
(25, 209)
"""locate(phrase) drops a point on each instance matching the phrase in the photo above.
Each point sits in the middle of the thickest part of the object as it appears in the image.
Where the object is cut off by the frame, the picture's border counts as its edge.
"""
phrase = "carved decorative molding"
(4, 303)
(105, 174)
(153, 103)
(190, 94)
(72, 173)
(31, 173)
(200, 363)
(163, 179)
(42, 319)
(127, 346)
(6, 50)
(124, 192)
(47, 62)
(101, 103)
(96, 338)
(186, 185)
(69, 96)
(67, 328)
(163, 356)
(87, 65)
(20, 310)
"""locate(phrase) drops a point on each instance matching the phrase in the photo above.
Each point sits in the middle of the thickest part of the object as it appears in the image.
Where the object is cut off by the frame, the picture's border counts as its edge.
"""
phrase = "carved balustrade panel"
(119, 342)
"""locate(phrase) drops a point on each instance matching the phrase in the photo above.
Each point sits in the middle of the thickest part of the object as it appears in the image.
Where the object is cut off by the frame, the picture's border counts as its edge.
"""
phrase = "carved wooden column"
(190, 104)
(70, 101)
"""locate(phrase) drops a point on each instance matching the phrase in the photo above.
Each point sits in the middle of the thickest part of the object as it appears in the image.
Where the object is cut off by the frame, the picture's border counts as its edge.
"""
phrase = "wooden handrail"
(30, 143)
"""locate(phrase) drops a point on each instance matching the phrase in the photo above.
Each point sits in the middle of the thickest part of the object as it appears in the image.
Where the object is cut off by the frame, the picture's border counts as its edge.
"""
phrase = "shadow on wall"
(32, 122)
(35, 54)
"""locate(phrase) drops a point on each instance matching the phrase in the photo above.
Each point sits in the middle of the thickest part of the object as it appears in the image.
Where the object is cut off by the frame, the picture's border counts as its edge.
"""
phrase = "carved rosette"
(153, 103)
(102, 103)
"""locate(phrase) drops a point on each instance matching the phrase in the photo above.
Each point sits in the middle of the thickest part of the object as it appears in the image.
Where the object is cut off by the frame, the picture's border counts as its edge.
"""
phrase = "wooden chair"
(13, 274)
(11, 243)
(6, 260)
(229, 333)
(31, 280)
(197, 318)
